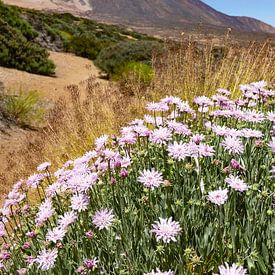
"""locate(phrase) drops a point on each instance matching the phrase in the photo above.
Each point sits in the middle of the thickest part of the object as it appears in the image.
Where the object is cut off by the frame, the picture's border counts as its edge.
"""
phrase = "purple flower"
(205, 150)
(235, 164)
(218, 197)
(223, 91)
(103, 218)
(166, 230)
(46, 259)
(4, 255)
(123, 173)
(250, 133)
(79, 202)
(160, 135)
(89, 234)
(150, 178)
(231, 270)
(158, 272)
(233, 145)
(236, 183)
(90, 264)
(197, 138)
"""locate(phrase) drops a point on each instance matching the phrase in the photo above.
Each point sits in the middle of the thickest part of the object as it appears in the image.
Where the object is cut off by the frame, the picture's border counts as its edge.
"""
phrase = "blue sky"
(260, 9)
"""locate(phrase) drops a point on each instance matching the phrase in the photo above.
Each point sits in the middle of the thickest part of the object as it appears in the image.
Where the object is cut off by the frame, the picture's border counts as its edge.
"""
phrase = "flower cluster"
(186, 186)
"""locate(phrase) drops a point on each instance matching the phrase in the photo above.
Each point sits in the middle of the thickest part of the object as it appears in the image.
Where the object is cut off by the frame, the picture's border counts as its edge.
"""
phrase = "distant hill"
(26, 35)
(168, 13)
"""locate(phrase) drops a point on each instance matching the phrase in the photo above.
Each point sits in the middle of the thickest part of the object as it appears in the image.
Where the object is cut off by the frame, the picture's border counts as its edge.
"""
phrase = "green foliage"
(25, 109)
(141, 71)
(17, 49)
(113, 58)
(21, 30)
(12, 17)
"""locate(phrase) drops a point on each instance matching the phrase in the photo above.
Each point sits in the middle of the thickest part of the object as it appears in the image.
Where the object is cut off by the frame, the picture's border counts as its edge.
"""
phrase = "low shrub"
(115, 57)
(17, 52)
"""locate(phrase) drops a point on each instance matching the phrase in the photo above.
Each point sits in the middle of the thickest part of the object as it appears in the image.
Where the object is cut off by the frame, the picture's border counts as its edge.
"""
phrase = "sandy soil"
(70, 69)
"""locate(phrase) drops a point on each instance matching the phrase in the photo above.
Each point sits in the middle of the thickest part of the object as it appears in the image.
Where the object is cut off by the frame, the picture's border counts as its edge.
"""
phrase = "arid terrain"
(70, 69)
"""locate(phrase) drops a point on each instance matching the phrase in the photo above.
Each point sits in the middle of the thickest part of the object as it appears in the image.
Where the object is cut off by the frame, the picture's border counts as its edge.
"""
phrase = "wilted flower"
(166, 230)
(235, 164)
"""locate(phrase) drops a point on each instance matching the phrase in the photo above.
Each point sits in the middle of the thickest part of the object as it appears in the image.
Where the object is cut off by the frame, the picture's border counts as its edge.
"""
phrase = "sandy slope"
(70, 70)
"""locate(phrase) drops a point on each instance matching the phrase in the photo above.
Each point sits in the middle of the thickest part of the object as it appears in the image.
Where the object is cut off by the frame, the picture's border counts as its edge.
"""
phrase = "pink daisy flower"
(46, 259)
(56, 234)
(103, 218)
(79, 202)
(150, 178)
(233, 145)
(231, 270)
(218, 197)
(236, 183)
(166, 230)
(160, 135)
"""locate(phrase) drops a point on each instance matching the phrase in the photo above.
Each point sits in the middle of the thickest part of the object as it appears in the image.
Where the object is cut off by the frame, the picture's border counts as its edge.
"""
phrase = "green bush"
(113, 58)
(138, 70)
(17, 52)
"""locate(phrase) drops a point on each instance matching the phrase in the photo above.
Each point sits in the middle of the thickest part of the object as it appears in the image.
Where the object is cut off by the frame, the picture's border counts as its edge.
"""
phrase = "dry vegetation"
(185, 71)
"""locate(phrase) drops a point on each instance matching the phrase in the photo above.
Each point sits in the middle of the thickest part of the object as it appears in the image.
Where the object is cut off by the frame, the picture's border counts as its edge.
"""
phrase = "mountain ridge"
(150, 12)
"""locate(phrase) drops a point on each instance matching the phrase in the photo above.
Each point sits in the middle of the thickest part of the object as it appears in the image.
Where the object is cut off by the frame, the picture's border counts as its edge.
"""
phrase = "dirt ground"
(70, 69)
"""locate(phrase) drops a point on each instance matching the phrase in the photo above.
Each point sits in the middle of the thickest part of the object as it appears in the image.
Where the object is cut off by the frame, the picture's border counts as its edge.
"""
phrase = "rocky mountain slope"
(168, 13)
